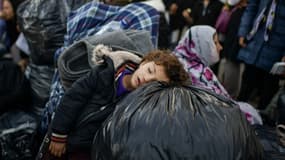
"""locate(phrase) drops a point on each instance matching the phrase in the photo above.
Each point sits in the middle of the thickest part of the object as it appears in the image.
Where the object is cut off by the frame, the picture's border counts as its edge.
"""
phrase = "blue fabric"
(87, 21)
(90, 18)
(258, 52)
(4, 39)
(57, 91)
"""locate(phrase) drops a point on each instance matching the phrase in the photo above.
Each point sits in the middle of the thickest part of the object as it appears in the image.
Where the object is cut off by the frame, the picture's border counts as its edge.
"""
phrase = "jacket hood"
(118, 57)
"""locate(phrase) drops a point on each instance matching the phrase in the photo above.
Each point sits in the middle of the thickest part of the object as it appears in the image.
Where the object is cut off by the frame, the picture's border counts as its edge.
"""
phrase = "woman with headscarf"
(231, 74)
(198, 49)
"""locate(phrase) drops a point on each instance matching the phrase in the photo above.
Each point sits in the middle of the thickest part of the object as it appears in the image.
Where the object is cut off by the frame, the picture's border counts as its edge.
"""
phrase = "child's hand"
(57, 149)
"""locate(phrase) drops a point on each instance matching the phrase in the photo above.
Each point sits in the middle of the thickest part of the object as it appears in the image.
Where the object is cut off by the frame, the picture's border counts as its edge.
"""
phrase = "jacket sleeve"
(73, 102)
(248, 17)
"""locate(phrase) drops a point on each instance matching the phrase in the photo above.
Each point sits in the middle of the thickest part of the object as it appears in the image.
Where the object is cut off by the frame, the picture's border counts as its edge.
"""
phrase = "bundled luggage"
(161, 122)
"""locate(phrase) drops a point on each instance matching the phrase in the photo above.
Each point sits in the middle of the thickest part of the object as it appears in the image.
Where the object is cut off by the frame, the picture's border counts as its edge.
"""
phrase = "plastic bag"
(17, 136)
(40, 79)
(160, 122)
(269, 140)
(44, 25)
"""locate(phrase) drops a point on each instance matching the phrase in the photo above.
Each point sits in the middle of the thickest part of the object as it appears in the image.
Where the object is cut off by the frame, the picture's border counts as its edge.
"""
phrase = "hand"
(173, 9)
(57, 149)
(241, 42)
(23, 63)
(186, 14)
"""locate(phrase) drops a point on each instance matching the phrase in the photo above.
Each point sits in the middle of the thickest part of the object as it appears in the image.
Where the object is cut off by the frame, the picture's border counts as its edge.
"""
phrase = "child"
(92, 98)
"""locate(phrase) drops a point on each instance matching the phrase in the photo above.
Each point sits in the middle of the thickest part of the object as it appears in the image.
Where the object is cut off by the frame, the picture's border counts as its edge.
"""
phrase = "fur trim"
(118, 57)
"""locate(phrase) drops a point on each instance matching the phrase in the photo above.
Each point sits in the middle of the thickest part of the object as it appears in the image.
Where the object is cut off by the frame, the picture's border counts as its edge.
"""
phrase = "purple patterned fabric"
(121, 90)
(200, 73)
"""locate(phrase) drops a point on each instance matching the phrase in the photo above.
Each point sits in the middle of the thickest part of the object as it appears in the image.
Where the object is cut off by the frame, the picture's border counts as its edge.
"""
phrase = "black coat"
(85, 106)
(231, 44)
(211, 13)
(15, 90)
(177, 21)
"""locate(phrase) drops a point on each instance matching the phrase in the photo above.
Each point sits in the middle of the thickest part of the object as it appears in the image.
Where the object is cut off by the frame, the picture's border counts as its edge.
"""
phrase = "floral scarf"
(201, 74)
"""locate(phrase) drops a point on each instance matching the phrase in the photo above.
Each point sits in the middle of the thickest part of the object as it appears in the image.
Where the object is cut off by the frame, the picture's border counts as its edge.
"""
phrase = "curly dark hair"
(172, 67)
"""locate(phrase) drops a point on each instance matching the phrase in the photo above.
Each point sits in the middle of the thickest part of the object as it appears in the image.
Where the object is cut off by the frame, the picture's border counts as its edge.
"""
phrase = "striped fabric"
(90, 18)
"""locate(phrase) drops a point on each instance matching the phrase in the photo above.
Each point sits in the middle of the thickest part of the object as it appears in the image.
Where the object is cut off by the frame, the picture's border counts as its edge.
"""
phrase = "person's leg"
(270, 112)
(268, 89)
(281, 117)
(231, 77)
(249, 82)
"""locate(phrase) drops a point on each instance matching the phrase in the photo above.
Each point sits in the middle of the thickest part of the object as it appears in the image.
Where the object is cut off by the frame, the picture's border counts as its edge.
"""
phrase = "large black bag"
(157, 122)
(43, 23)
(269, 140)
(17, 136)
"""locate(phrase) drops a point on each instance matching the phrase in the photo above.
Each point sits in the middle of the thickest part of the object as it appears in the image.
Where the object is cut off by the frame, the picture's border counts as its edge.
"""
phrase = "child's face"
(148, 72)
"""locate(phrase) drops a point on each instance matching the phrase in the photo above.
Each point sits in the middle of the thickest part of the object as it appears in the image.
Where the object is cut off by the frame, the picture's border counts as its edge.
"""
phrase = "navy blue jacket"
(258, 52)
(85, 106)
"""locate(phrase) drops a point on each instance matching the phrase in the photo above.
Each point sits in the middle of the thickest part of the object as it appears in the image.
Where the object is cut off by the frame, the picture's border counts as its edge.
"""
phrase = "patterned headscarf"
(203, 38)
(192, 52)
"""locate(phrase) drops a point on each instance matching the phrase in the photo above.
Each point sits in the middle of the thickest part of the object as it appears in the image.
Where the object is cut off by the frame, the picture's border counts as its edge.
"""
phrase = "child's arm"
(69, 109)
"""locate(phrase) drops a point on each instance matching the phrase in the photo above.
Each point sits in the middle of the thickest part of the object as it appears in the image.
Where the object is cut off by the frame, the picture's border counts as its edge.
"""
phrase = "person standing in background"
(204, 12)
(232, 67)
(10, 31)
(176, 20)
(10, 16)
(261, 36)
